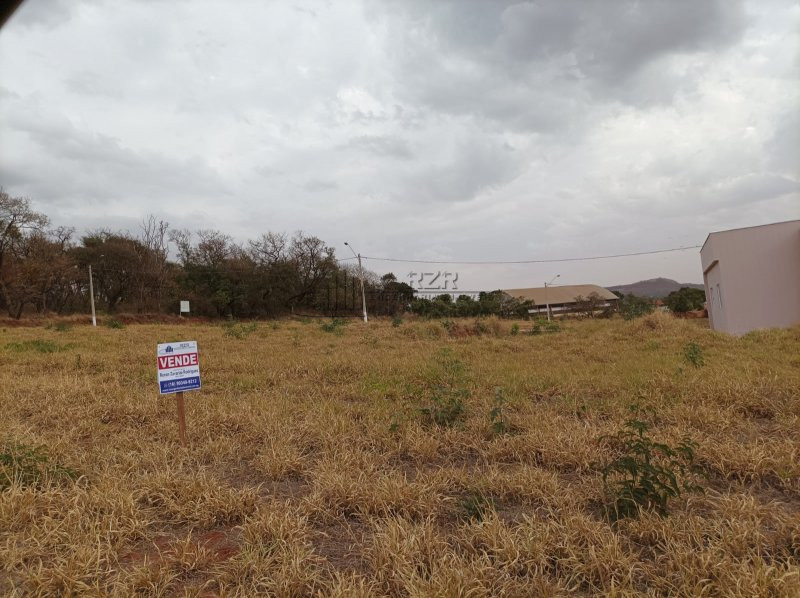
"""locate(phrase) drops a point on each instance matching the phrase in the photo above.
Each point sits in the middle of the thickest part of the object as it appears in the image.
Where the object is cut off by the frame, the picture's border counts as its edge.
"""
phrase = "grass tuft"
(30, 466)
(37, 346)
(238, 330)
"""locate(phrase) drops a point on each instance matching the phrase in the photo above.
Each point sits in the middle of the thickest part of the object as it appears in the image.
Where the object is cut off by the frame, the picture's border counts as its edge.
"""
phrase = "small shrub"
(551, 326)
(38, 345)
(685, 300)
(693, 354)
(335, 326)
(30, 466)
(240, 331)
(446, 407)
(475, 506)
(514, 329)
(540, 326)
(631, 306)
(480, 327)
(497, 417)
(397, 321)
(114, 323)
(646, 474)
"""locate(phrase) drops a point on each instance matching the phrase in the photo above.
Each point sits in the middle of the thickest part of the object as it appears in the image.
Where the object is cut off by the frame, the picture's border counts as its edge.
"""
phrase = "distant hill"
(656, 288)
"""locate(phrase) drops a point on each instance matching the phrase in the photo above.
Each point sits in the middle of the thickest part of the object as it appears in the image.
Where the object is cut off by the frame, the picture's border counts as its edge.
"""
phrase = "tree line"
(46, 269)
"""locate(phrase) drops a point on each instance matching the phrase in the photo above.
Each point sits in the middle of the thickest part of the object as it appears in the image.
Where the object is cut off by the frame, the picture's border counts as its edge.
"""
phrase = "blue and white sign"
(178, 367)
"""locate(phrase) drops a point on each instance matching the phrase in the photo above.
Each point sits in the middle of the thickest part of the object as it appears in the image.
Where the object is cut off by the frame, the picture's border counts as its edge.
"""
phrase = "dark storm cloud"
(538, 65)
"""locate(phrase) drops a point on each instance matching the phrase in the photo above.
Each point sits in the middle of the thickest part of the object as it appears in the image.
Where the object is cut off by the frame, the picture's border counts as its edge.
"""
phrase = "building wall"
(713, 281)
(755, 282)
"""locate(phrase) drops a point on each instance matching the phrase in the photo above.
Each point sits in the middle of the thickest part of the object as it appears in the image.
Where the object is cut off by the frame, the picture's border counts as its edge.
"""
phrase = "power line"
(547, 261)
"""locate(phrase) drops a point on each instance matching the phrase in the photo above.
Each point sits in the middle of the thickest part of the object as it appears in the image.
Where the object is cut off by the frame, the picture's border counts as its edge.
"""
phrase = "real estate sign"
(178, 367)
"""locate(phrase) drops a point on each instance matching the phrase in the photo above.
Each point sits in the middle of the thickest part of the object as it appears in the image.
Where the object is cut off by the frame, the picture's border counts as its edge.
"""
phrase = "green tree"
(115, 259)
(685, 299)
(632, 306)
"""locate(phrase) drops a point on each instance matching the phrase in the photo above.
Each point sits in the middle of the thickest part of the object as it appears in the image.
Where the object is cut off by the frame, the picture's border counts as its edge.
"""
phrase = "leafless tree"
(18, 221)
(269, 249)
(154, 267)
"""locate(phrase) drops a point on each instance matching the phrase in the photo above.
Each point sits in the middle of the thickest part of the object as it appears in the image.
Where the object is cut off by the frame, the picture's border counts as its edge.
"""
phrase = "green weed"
(446, 406)
(475, 506)
(335, 326)
(646, 474)
(30, 466)
(497, 417)
(693, 354)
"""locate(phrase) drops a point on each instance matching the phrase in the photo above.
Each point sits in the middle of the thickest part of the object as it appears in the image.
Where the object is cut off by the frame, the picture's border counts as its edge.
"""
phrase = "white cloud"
(484, 130)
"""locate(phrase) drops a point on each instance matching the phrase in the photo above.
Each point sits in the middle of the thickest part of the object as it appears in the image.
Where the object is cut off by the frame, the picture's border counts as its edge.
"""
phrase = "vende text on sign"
(178, 367)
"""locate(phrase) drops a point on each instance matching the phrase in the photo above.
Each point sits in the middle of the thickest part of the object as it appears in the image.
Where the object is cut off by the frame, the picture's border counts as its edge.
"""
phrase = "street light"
(361, 273)
(546, 295)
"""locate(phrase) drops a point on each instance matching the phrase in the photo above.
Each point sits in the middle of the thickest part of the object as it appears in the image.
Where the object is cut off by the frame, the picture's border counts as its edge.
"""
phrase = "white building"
(752, 277)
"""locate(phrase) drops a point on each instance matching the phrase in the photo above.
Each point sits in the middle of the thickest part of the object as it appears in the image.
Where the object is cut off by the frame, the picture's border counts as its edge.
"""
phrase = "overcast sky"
(447, 129)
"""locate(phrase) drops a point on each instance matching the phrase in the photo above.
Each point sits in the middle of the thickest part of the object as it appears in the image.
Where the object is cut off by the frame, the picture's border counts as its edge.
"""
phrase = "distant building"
(564, 298)
(752, 277)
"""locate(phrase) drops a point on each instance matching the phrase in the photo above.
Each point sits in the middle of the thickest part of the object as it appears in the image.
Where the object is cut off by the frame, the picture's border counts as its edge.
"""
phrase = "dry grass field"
(314, 469)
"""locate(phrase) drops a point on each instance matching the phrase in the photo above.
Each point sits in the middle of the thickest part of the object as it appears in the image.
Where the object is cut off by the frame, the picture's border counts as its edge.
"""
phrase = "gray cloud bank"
(451, 129)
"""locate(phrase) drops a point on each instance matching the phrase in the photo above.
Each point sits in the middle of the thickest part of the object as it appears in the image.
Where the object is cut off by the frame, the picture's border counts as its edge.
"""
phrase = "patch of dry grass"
(312, 471)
